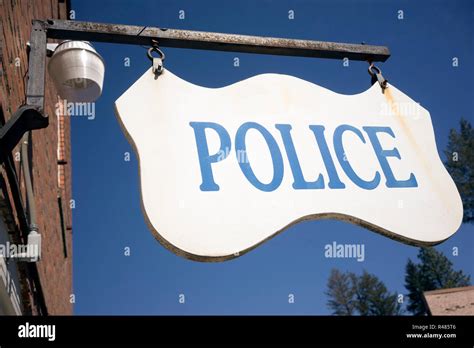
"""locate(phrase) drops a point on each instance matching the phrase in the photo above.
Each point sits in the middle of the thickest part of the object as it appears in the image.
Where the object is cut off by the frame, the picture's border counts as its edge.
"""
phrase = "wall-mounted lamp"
(77, 71)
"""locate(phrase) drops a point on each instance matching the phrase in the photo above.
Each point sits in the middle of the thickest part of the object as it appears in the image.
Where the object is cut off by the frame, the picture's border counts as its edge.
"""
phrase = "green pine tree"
(435, 271)
(373, 298)
(460, 164)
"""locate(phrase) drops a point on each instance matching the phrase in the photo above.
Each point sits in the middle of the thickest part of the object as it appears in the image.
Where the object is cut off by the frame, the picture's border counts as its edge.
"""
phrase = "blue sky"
(107, 217)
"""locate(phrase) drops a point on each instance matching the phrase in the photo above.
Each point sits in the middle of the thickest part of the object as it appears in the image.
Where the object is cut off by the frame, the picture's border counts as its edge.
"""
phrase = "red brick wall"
(55, 269)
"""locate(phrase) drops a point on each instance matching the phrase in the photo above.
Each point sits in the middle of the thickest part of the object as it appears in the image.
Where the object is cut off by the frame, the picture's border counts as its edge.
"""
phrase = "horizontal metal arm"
(139, 35)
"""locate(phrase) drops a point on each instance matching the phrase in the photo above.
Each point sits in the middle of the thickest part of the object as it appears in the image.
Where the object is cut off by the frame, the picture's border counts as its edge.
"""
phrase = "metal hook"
(376, 74)
(157, 62)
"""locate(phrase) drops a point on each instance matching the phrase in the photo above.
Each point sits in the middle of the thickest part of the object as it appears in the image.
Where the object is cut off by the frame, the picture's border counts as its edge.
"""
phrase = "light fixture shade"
(77, 71)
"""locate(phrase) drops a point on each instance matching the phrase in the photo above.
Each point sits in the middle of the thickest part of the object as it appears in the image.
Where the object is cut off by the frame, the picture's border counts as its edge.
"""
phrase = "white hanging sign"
(224, 169)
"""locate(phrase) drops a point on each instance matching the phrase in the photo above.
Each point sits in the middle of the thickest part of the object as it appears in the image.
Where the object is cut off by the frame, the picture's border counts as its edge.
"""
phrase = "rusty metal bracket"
(157, 62)
(376, 74)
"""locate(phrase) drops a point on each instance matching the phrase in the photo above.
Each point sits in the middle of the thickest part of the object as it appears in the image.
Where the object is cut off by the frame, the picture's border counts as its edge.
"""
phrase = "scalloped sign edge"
(207, 208)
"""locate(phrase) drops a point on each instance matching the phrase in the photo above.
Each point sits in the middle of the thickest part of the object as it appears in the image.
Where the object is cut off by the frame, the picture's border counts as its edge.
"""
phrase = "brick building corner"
(47, 284)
